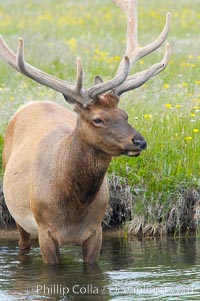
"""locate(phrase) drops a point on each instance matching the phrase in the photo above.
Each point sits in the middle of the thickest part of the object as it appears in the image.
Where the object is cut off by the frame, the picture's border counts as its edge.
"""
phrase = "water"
(128, 269)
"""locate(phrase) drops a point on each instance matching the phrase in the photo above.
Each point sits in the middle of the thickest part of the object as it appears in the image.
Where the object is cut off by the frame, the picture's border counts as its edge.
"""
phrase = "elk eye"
(98, 121)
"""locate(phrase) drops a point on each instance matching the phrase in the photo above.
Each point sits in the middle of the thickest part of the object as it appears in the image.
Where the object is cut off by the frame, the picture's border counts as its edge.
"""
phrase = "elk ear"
(78, 107)
(98, 80)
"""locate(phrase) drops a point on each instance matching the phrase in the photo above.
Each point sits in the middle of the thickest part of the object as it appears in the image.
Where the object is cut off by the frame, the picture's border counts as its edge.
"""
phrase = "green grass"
(166, 110)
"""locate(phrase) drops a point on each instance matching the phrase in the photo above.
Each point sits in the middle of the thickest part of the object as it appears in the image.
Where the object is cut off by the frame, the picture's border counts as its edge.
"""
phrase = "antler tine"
(165, 59)
(130, 9)
(132, 28)
(20, 56)
(132, 50)
(135, 53)
(119, 78)
(142, 77)
(79, 76)
(7, 54)
(143, 51)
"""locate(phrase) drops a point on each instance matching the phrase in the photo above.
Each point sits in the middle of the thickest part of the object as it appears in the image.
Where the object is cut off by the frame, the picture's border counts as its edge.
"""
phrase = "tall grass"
(166, 110)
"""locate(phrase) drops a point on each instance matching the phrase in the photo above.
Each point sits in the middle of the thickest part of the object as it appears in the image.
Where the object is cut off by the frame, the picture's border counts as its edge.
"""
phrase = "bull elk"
(55, 161)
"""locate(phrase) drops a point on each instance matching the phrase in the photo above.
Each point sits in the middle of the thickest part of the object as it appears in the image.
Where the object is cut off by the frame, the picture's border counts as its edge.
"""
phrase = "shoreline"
(13, 234)
(183, 215)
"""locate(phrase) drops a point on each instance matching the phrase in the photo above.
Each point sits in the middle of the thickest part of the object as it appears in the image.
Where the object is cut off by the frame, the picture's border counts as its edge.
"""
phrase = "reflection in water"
(164, 269)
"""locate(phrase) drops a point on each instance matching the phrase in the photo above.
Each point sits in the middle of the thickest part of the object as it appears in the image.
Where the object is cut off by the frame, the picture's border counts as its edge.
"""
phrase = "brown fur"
(55, 166)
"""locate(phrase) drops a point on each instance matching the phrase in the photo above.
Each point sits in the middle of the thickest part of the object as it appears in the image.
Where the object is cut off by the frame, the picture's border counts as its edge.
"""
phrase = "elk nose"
(139, 142)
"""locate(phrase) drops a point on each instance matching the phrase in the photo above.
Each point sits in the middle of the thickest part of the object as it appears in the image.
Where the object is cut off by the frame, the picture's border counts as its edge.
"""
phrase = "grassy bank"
(166, 110)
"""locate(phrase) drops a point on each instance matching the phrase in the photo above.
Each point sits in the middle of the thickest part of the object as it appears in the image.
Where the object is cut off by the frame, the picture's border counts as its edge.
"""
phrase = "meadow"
(166, 110)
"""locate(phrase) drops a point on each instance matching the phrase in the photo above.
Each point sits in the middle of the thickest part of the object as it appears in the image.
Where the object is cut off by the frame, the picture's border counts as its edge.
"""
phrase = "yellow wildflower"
(72, 44)
(81, 21)
(108, 16)
(188, 138)
(166, 86)
(117, 58)
(178, 106)
(153, 13)
(192, 115)
(184, 84)
(148, 116)
(197, 82)
(45, 17)
(102, 56)
(101, 53)
(183, 64)
(195, 130)
(168, 105)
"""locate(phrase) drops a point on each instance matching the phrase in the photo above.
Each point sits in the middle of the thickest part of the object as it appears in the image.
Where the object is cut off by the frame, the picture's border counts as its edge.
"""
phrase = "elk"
(55, 160)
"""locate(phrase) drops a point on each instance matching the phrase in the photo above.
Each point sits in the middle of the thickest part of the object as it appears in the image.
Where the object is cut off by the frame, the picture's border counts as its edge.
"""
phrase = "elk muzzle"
(138, 144)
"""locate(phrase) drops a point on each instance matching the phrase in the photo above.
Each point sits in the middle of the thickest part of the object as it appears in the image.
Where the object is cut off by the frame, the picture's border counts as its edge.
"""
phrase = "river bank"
(183, 215)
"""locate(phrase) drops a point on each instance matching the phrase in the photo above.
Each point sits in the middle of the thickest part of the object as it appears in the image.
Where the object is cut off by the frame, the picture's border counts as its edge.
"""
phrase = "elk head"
(103, 124)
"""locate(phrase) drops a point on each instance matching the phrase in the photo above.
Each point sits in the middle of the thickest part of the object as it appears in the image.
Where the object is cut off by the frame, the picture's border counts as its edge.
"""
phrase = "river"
(167, 268)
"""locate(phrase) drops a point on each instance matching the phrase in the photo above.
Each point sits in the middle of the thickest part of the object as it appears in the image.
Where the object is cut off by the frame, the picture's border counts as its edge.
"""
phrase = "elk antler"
(138, 79)
(72, 93)
(121, 81)
(135, 53)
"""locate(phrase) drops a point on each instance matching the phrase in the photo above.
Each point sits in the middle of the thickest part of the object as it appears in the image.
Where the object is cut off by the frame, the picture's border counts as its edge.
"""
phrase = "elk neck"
(84, 167)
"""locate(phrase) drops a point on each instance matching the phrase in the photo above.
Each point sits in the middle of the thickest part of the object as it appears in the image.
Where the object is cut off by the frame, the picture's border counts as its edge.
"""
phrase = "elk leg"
(24, 240)
(92, 246)
(48, 247)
